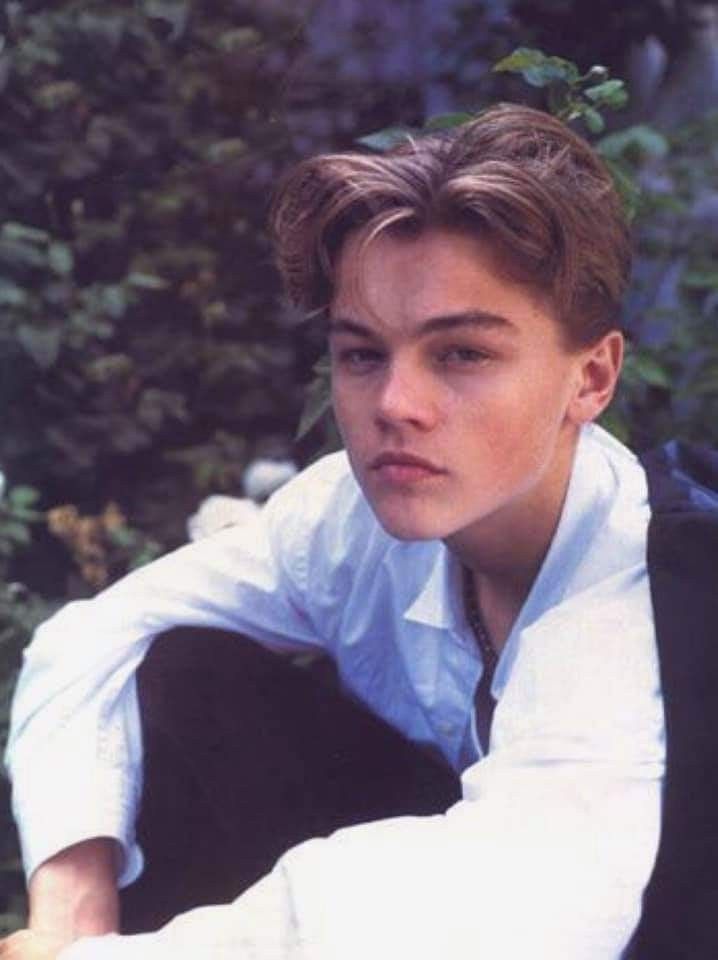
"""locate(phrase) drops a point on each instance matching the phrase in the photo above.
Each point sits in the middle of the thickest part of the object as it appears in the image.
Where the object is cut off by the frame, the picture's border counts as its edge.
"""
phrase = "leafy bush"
(143, 347)
(144, 352)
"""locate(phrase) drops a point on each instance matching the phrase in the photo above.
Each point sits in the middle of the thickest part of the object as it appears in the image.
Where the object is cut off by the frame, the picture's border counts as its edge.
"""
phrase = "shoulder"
(316, 493)
(323, 515)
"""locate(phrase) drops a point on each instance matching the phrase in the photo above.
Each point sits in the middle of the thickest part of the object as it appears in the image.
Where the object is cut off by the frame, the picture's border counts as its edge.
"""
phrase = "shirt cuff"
(62, 808)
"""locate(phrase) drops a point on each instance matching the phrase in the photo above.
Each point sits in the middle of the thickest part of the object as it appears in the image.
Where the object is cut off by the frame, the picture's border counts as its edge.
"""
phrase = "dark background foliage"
(146, 355)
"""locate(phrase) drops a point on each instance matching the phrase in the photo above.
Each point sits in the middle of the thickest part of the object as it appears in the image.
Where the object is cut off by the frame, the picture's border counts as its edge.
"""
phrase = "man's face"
(450, 384)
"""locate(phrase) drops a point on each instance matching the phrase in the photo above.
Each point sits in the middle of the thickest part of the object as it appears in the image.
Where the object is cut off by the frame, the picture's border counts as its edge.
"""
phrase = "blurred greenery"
(146, 355)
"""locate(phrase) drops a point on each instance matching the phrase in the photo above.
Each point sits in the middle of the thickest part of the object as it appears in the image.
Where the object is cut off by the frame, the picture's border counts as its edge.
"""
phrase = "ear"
(598, 367)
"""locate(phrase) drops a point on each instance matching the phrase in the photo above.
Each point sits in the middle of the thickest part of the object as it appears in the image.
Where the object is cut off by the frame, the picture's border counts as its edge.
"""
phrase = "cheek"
(347, 412)
(515, 421)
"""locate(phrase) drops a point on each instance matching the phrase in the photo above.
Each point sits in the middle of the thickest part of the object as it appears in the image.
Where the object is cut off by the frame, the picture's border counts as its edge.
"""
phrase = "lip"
(403, 470)
(396, 459)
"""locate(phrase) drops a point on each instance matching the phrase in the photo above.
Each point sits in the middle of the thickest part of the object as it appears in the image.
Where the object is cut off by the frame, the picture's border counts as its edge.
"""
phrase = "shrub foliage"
(142, 344)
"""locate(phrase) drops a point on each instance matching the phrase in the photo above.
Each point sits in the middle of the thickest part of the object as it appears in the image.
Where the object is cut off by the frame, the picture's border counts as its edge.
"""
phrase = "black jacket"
(680, 910)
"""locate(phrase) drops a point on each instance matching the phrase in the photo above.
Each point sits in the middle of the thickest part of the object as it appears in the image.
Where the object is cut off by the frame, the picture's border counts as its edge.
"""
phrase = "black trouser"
(247, 755)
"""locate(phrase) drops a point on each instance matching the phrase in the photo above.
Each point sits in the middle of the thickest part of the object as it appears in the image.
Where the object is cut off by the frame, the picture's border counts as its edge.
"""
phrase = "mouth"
(404, 468)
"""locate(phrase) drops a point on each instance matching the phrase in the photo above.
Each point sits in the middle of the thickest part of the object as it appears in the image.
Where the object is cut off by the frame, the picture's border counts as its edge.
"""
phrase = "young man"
(480, 545)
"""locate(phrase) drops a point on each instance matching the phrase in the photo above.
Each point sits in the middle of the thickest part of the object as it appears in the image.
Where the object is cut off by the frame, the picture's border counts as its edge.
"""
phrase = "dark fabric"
(485, 705)
(247, 755)
(680, 914)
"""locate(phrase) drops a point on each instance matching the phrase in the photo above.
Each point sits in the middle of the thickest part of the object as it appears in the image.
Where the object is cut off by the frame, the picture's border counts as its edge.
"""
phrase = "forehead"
(397, 281)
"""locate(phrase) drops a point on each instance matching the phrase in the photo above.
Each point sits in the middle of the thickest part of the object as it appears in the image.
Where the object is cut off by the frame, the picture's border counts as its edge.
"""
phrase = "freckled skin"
(496, 408)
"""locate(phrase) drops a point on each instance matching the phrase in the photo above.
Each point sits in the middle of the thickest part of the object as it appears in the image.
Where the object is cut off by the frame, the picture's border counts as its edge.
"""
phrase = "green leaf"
(42, 345)
(384, 140)
(11, 295)
(115, 300)
(35, 52)
(650, 370)
(146, 281)
(317, 404)
(14, 530)
(594, 120)
(611, 93)
(639, 139)
(21, 253)
(21, 231)
(538, 69)
(60, 258)
(700, 279)
(23, 496)
(447, 121)
(123, 537)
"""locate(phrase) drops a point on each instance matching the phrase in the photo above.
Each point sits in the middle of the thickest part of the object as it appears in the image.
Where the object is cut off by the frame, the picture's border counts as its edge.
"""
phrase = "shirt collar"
(436, 603)
(590, 489)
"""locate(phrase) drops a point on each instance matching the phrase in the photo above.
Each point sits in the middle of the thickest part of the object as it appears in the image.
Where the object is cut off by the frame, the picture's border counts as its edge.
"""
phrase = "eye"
(462, 356)
(358, 359)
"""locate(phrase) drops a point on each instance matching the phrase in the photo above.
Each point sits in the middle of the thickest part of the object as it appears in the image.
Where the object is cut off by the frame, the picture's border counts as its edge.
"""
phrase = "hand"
(28, 945)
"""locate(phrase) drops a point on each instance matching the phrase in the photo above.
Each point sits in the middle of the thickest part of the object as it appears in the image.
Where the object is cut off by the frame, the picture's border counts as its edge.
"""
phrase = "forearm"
(74, 893)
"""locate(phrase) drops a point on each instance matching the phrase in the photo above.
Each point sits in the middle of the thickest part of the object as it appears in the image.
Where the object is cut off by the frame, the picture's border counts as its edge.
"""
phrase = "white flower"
(260, 479)
(263, 477)
(217, 512)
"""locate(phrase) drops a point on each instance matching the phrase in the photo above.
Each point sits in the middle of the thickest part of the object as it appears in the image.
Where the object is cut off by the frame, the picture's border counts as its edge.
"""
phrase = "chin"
(410, 527)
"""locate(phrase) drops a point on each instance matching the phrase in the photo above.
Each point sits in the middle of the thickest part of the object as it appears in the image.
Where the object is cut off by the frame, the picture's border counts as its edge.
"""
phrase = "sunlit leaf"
(594, 120)
(538, 69)
(60, 258)
(611, 93)
(386, 139)
(447, 121)
(317, 404)
(23, 496)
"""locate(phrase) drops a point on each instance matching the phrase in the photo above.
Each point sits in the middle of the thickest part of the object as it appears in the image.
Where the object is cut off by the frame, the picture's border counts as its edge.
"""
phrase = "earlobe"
(598, 371)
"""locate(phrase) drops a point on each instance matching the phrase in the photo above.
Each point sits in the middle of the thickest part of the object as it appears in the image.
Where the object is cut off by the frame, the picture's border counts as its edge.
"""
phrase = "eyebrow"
(469, 318)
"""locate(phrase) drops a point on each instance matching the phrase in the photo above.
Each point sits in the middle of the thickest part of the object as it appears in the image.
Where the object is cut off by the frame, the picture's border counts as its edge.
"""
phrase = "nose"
(405, 398)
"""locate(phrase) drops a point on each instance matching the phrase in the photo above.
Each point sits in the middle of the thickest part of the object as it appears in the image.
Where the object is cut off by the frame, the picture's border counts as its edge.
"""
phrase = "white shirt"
(550, 848)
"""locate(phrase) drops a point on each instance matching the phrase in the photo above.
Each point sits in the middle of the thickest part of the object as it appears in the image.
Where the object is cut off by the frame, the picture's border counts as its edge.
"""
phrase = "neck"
(505, 550)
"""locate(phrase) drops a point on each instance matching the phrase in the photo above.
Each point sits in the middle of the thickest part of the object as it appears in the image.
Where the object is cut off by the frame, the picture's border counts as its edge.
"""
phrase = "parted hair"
(514, 177)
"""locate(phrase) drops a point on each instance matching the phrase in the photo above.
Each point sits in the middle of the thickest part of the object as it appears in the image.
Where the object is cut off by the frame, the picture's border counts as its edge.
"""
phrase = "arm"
(74, 893)
(75, 747)
(533, 866)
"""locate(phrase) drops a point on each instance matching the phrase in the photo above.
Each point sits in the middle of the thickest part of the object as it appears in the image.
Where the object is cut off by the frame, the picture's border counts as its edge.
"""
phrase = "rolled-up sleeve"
(541, 864)
(74, 752)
